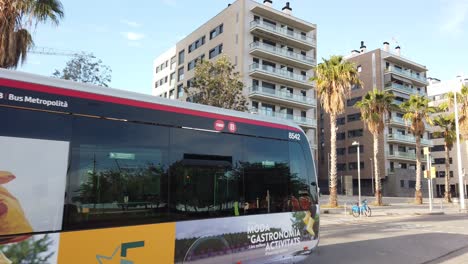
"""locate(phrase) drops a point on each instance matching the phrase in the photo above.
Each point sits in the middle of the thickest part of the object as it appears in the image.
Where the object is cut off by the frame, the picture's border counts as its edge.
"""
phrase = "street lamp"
(460, 176)
(355, 143)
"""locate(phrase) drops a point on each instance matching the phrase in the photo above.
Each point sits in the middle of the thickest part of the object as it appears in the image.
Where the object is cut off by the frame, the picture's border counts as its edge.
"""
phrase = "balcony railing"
(407, 138)
(283, 95)
(398, 120)
(407, 74)
(402, 155)
(282, 31)
(403, 89)
(282, 52)
(297, 119)
(278, 72)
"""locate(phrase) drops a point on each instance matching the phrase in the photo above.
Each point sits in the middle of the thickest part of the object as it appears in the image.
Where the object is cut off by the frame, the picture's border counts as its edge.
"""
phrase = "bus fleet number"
(295, 136)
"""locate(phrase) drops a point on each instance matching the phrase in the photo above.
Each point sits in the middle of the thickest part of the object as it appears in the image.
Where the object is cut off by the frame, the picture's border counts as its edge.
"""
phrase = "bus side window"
(303, 181)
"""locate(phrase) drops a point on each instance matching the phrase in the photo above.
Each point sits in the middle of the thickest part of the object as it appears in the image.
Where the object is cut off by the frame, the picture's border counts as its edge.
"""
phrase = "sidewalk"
(393, 206)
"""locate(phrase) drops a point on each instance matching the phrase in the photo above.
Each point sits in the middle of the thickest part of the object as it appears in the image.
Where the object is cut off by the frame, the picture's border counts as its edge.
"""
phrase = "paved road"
(397, 238)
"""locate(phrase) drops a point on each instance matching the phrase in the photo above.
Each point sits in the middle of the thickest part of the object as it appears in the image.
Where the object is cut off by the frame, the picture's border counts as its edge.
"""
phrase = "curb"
(430, 213)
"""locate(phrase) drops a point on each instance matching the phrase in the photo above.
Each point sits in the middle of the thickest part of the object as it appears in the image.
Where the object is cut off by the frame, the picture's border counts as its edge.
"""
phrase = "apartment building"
(383, 69)
(164, 74)
(437, 91)
(273, 51)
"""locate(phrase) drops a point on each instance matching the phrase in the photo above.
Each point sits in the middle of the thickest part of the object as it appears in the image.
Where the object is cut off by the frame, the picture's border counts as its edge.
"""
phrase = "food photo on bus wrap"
(31, 197)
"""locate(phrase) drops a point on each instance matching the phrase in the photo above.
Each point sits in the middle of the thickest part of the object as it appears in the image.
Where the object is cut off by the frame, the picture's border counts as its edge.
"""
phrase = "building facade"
(385, 70)
(273, 51)
(437, 91)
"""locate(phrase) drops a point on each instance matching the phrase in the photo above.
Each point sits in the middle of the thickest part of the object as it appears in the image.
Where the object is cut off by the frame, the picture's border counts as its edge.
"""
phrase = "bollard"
(441, 204)
(345, 208)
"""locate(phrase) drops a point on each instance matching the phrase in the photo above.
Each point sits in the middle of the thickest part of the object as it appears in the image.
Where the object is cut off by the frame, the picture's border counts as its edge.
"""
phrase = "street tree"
(217, 84)
(446, 123)
(334, 78)
(17, 19)
(375, 106)
(417, 111)
(85, 68)
(462, 100)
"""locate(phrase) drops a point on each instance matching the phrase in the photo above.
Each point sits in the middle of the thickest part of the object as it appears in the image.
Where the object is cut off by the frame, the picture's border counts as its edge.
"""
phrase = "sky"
(128, 35)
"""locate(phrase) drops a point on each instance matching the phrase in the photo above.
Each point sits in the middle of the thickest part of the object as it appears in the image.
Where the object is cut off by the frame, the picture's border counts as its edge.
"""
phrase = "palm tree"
(334, 78)
(447, 124)
(417, 111)
(374, 106)
(462, 100)
(16, 18)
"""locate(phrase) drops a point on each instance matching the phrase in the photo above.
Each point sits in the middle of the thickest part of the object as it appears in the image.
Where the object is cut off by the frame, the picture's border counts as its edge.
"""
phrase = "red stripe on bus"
(122, 101)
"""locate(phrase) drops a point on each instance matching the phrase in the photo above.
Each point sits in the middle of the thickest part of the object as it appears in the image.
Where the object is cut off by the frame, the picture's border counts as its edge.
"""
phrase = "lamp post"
(355, 143)
(460, 176)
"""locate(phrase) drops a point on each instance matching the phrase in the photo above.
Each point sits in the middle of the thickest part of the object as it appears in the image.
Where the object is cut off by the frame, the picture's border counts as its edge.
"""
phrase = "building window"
(411, 184)
(180, 74)
(441, 161)
(437, 148)
(192, 64)
(353, 149)
(173, 61)
(341, 121)
(359, 68)
(340, 151)
(354, 117)
(341, 136)
(180, 90)
(353, 101)
(355, 133)
(341, 166)
(353, 165)
(196, 44)
(216, 51)
(215, 32)
(181, 57)
(402, 183)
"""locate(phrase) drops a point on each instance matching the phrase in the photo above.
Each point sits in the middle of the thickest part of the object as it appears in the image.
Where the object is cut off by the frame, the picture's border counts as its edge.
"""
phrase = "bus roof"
(105, 91)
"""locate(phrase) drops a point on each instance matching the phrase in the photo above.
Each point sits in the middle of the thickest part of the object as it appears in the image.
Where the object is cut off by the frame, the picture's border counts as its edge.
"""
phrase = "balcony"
(395, 120)
(267, 72)
(280, 97)
(281, 55)
(407, 139)
(400, 155)
(288, 37)
(403, 89)
(417, 80)
(302, 121)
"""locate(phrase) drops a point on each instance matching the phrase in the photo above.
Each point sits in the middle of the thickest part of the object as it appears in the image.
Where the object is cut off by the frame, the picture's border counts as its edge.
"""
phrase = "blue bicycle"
(364, 209)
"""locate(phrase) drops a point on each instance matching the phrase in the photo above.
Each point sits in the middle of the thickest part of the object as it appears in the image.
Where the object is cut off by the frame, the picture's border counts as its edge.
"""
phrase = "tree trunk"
(418, 199)
(378, 190)
(333, 190)
(447, 175)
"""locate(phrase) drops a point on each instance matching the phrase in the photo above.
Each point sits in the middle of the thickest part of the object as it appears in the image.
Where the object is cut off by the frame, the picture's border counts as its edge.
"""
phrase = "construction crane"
(57, 52)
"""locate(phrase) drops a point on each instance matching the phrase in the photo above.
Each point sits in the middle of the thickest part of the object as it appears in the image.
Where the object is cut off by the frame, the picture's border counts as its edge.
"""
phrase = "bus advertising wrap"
(32, 186)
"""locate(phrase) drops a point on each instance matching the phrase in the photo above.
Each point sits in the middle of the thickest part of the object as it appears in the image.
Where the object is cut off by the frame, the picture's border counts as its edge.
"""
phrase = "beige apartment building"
(437, 91)
(383, 69)
(273, 51)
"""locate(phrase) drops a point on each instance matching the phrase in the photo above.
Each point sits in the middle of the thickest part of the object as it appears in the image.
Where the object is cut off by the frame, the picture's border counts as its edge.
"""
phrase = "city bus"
(91, 174)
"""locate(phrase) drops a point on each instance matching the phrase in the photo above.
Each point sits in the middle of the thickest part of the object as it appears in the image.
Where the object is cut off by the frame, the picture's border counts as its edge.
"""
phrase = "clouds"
(454, 16)
(132, 36)
(130, 23)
